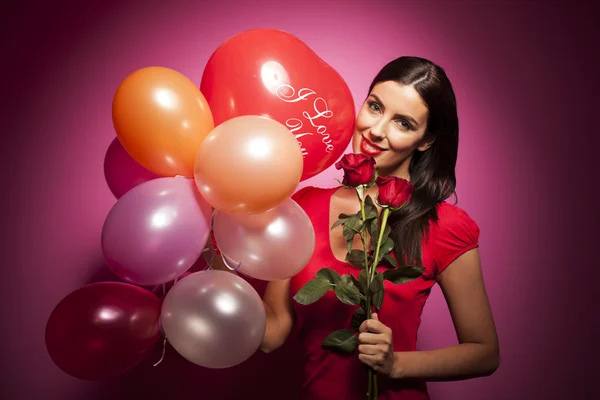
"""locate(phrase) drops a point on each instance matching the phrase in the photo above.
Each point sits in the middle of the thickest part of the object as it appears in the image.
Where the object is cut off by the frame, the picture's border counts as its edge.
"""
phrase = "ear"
(426, 145)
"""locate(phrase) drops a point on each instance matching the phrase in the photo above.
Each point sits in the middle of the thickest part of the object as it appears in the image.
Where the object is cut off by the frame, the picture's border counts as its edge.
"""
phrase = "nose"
(377, 129)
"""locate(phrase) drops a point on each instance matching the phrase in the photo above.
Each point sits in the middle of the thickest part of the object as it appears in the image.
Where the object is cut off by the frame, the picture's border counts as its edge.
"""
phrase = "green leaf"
(374, 232)
(403, 274)
(355, 281)
(312, 291)
(342, 341)
(356, 258)
(373, 229)
(371, 212)
(329, 274)
(362, 281)
(358, 318)
(337, 223)
(341, 219)
(375, 176)
(377, 284)
(346, 279)
(349, 234)
(386, 248)
(391, 260)
(347, 293)
(354, 223)
(378, 297)
(386, 232)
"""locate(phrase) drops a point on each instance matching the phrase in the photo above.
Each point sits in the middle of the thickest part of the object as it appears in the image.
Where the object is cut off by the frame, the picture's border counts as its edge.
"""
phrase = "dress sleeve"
(297, 197)
(457, 233)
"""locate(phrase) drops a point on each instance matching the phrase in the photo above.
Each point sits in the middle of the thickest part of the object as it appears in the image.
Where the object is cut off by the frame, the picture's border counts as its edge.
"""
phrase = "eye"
(373, 106)
(404, 124)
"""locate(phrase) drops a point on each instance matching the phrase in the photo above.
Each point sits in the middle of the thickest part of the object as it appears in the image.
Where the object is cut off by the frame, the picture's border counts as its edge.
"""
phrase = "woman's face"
(390, 126)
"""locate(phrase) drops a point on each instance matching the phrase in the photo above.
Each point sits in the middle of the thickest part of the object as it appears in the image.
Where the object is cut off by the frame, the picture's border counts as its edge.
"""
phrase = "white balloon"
(214, 319)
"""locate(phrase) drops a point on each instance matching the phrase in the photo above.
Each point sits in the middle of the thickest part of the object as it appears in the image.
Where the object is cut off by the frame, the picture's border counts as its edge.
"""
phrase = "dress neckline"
(327, 230)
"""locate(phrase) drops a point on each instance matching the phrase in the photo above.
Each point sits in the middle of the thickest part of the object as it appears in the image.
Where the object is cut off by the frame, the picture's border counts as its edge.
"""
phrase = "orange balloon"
(161, 117)
(247, 165)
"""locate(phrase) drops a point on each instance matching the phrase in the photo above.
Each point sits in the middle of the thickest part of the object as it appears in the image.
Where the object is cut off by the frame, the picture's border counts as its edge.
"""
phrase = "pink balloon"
(122, 173)
(272, 245)
(156, 231)
(214, 319)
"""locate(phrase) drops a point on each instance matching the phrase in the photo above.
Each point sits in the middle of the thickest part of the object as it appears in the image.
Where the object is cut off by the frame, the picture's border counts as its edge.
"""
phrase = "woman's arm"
(477, 353)
(280, 315)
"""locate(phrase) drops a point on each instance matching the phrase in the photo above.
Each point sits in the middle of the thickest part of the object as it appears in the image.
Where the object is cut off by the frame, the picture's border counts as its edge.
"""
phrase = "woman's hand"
(375, 347)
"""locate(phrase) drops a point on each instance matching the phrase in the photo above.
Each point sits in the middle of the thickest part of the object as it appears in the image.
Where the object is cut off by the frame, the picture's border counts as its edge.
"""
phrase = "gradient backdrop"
(527, 91)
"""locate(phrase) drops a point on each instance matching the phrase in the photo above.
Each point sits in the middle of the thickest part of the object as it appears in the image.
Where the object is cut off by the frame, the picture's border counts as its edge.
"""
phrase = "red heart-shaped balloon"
(274, 74)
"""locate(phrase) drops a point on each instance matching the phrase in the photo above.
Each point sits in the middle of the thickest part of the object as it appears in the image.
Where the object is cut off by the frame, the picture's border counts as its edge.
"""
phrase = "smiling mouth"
(369, 148)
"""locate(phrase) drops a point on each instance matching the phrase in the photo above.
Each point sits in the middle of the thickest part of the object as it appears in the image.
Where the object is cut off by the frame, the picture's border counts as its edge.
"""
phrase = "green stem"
(372, 375)
(372, 390)
(375, 387)
(386, 213)
(364, 243)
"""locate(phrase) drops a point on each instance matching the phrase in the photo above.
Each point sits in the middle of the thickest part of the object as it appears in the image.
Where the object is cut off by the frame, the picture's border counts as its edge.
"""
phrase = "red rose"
(358, 169)
(394, 191)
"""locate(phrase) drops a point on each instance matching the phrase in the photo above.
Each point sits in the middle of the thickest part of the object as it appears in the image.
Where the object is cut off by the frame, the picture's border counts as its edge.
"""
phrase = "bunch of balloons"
(224, 156)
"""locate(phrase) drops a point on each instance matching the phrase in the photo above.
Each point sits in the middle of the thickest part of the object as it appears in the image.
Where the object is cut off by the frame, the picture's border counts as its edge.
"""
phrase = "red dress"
(328, 375)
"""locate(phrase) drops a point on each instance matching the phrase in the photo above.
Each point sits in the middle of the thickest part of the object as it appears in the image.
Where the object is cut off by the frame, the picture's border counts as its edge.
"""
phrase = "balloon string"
(210, 263)
(227, 264)
(238, 267)
(163, 352)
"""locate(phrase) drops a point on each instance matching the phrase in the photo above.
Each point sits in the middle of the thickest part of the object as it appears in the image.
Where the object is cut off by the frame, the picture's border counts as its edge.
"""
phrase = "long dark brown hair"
(431, 171)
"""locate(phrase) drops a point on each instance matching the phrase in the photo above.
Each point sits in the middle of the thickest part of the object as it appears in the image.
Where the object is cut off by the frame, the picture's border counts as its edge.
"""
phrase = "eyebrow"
(407, 117)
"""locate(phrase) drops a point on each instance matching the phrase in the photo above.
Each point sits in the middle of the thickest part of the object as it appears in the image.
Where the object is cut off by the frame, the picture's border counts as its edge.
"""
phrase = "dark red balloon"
(274, 74)
(103, 329)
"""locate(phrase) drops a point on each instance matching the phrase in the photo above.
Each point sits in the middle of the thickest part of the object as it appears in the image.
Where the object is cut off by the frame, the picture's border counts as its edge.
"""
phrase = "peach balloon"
(161, 118)
(247, 165)
(259, 245)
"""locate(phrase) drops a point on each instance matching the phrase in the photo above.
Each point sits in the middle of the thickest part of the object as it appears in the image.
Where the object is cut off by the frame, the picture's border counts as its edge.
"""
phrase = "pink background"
(525, 81)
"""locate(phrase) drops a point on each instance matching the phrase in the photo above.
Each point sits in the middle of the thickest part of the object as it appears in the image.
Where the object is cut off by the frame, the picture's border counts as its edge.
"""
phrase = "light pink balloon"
(122, 173)
(272, 245)
(214, 319)
(156, 231)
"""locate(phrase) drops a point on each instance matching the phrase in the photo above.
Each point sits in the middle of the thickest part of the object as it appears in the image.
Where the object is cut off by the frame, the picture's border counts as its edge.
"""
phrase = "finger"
(368, 360)
(375, 316)
(368, 349)
(373, 326)
(371, 361)
(364, 326)
(372, 338)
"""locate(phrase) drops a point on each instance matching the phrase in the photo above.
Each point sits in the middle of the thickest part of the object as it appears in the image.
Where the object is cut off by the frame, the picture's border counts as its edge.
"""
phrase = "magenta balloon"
(214, 319)
(156, 231)
(272, 245)
(123, 173)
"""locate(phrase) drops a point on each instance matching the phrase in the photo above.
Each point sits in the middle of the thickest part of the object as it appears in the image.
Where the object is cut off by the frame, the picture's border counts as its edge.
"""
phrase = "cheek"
(363, 121)
(402, 141)
(359, 126)
(356, 141)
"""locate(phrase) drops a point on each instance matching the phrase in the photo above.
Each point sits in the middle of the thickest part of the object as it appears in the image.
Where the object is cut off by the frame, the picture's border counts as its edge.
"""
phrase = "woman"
(409, 124)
